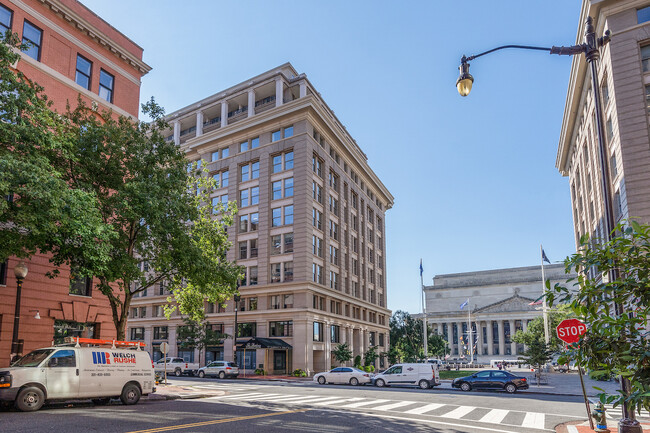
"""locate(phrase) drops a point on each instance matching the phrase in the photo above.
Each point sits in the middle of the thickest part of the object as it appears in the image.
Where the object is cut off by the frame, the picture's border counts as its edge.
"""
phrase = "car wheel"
(510, 388)
(30, 399)
(178, 372)
(322, 380)
(222, 375)
(380, 383)
(101, 401)
(201, 374)
(424, 384)
(130, 394)
(465, 386)
(354, 381)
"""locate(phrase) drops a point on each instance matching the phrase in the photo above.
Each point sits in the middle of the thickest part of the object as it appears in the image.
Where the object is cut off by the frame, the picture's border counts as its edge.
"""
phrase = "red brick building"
(74, 52)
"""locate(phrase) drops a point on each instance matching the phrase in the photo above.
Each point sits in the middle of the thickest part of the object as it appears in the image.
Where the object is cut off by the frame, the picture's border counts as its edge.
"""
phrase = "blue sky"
(474, 178)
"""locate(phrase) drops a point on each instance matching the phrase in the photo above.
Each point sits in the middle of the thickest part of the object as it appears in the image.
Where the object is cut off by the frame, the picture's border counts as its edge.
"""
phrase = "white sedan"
(350, 375)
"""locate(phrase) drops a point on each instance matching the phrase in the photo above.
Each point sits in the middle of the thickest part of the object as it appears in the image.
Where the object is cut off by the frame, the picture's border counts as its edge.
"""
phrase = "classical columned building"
(499, 303)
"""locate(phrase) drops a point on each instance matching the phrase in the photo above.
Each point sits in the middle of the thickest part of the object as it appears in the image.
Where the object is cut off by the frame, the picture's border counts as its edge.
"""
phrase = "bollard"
(601, 421)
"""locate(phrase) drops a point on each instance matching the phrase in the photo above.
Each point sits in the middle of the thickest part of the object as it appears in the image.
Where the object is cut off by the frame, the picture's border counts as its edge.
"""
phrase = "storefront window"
(63, 329)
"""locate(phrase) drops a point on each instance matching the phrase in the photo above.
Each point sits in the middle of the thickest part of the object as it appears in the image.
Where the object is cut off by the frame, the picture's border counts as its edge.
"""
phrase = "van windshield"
(33, 359)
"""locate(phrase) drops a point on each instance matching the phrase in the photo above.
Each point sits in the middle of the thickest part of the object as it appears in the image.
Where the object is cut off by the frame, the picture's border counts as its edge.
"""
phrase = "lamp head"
(38, 315)
(465, 80)
(20, 270)
(237, 298)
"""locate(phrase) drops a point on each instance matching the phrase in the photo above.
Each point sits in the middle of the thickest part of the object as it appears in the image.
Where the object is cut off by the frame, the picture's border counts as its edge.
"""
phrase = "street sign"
(164, 348)
(570, 330)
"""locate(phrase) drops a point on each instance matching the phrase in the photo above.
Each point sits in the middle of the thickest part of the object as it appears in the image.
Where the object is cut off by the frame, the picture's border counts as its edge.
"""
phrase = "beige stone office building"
(310, 230)
(624, 83)
(499, 305)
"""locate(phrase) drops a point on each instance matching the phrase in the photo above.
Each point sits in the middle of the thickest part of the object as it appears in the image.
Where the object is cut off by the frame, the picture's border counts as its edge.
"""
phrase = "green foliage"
(370, 356)
(357, 361)
(535, 331)
(198, 335)
(615, 344)
(437, 345)
(260, 372)
(405, 338)
(453, 374)
(600, 375)
(299, 373)
(369, 368)
(342, 353)
(537, 354)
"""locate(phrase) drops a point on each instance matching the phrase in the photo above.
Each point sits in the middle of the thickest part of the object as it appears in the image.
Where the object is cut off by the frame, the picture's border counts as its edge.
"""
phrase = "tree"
(198, 335)
(537, 354)
(342, 353)
(616, 342)
(43, 211)
(535, 330)
(437, 345)
(406, 337)
(370, 356)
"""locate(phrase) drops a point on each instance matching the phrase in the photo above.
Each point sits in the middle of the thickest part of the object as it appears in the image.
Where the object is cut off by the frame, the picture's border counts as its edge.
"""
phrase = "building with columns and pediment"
(500, 302)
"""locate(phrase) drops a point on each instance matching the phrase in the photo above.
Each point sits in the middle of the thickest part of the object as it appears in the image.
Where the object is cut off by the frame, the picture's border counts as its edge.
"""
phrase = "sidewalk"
(583, 427)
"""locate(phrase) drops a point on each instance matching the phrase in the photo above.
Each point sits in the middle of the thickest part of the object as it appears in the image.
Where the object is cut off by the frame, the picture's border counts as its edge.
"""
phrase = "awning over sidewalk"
(264, 343)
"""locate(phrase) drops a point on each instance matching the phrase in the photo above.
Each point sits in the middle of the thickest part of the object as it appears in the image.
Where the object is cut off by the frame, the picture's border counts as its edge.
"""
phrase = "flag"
(538, 302)
(464, 304)
(421, 268)
(544, 258)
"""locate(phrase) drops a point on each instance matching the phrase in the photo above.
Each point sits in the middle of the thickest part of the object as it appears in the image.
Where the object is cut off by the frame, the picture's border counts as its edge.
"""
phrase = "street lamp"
(591, 49)
(237, 298)
(20, 271)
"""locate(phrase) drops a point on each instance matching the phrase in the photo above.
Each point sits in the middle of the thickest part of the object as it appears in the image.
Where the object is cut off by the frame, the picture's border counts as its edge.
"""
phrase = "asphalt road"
(252, 406)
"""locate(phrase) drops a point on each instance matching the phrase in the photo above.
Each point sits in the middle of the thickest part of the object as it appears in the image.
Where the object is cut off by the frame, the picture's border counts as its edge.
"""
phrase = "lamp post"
(591, 49)
(20, 271)
(237, 298)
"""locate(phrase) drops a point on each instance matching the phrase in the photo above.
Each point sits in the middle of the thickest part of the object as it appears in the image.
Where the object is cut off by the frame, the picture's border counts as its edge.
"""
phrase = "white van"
(423, 375)
(74, 372)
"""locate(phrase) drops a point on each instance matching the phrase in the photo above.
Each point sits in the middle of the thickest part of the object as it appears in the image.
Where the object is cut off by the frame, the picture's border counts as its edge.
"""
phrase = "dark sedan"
(491, 379)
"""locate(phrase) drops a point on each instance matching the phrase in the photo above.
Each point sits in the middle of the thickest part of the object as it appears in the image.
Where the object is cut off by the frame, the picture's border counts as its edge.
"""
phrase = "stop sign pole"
(570, 331)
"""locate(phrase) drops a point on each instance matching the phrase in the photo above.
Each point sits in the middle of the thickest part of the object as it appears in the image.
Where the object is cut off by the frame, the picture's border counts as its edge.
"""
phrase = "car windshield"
(33, 359)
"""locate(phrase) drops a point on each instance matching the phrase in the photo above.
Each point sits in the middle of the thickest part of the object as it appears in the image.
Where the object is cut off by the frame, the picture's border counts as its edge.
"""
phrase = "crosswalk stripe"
(247, 395)
(275, 397)
(325, 403)
(571, 429)
(495, 416)
(315, 399)
(459, 412)
(533, 420)
(364, 403)
(393, 405)
(282, 399)
(423, 409)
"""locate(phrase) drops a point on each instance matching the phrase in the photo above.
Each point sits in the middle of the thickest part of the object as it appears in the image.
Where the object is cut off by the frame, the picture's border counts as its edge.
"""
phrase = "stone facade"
(499, 305)
(309, 230)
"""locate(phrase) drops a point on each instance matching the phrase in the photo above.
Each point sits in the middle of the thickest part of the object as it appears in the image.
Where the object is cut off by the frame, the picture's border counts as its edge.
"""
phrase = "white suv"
(222, 369)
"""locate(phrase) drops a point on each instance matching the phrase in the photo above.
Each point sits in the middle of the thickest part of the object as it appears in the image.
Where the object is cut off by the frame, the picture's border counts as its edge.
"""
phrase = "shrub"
(260, 372)
(599, 375)
(369, 368)
(299, 373)
(357, 361)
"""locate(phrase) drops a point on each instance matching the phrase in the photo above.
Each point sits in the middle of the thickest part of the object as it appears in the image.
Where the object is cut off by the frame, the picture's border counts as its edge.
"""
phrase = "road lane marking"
(284, 398)
(571, 429)
(364, 403)
(218, 421)
(271, 397)
(247, 395)
(423, 409)
(533, 420)
(393, 405)
(459, 412)
(495, 416)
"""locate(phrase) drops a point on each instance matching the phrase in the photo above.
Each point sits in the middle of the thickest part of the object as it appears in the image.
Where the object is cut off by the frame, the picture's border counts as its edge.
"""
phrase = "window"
(252, 281)
(334, 230)
(243, 198)
(610, 130)
(288, 276)
(252, 304)
(317, 246)
(243, 223)
(276, 190)
(253, 248)
(317, 218)
(335, 333)
(243, 147)
(79, 285)
(225, 152)
(6, 16)
(276, 269)
(288, 187)
(281, 329)
(276, 217)
(247, 329)
(275, 302)
(317, 166)
(334, 255)
(4, 266)
(276, 135)
(613, 167)
(106, 82)
(334, 205)
(276, 245)
(334, 280)
(221, 179)
(255, 221)
(288, 215)
(643, 15)
(645, 58)
(255, 142)
(215, 156)
(62, 358)
(288, 131)
(647, 98)
(137, 334)
(288, 243)
(84, 71)
(381, 340)
(283, 161)
(317, 273)
(318, 331)
(334, 181)
(243, 250)
(160, 332)
(605, 92)
(32, 36)
(317, 192)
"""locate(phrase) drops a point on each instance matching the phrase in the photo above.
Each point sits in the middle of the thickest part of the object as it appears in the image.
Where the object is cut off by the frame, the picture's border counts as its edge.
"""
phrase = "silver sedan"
(350, 375)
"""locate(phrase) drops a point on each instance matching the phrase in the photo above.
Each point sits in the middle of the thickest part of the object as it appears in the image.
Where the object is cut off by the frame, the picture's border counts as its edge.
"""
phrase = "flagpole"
(469, 331)
(547, 337)
(424, 316)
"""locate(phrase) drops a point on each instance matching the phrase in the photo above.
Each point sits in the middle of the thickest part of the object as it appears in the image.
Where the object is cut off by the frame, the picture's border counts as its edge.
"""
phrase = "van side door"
(62, 374)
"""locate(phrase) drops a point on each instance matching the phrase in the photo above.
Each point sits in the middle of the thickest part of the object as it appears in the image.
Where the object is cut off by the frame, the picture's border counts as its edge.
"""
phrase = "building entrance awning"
(264, 343)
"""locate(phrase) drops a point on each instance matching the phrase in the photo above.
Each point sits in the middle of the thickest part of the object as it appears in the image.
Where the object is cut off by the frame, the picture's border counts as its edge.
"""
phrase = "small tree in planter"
(370, 356)
(342, 353)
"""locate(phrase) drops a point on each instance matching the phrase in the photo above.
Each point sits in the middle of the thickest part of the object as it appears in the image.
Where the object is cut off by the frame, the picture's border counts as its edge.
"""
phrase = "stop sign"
(570, 330)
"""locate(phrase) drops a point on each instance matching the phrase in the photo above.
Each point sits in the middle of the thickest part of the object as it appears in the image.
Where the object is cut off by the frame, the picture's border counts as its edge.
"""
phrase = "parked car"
(438, 362)
(220, 369)
(423, 375)
(74, 372)
(491, 379)
(176, 366)
(350, 375)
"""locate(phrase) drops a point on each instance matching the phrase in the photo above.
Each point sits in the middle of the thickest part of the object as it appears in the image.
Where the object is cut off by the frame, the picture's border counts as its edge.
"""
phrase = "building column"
(513, 345)
(502, 339)
(224, 113)
(479, 339)
(439, 329)
(279, 92)
(303, 89)
(328, 345)
(524, 327)
(199, 123)
(490, 337)
(459, 328)
(177, 132)
(251, 102)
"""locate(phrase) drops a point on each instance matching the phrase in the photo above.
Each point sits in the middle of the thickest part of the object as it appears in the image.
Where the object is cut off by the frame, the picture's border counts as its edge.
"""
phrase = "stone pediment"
(513, 304)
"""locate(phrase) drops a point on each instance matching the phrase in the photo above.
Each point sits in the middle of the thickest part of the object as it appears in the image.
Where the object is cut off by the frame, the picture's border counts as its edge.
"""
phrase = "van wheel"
(130, 394)
(178, 372)
(30, 399)
(201, 374)
(101, 401)
(511, 388)
(380, 383)
(424, 384)
(465, 386)
(354, 381)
